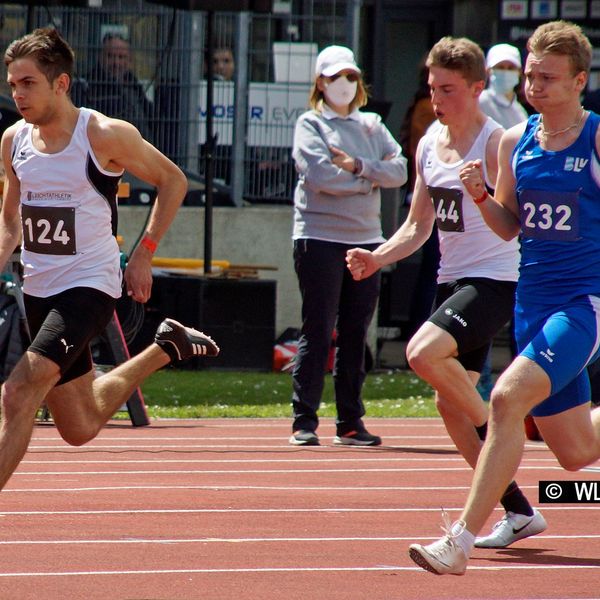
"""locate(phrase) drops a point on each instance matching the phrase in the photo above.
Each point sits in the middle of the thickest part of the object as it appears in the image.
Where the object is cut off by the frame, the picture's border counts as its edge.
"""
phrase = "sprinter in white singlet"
(63, 166)
(478, 270)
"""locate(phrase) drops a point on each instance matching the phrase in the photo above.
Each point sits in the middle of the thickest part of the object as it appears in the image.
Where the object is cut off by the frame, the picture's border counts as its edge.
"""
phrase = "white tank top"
(68, 214)
(468, 247)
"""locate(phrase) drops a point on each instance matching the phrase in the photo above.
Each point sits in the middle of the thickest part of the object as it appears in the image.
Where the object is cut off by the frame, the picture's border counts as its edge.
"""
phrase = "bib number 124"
(49, 230)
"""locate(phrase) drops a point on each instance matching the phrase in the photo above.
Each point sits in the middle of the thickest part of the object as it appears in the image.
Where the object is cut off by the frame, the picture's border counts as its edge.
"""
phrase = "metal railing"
(159, 84)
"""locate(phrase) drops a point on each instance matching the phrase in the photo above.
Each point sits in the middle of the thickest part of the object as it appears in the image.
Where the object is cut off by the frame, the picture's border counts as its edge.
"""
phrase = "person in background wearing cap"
(342, 157)
(478, 270)
(499, 100)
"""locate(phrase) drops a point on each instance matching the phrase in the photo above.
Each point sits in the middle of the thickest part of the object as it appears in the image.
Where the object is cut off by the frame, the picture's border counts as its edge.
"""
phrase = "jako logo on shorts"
(456, 316)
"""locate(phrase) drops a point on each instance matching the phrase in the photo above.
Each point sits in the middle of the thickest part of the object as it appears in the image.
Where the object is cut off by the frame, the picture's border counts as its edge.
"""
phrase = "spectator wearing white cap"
(499, 100)
(343, 157)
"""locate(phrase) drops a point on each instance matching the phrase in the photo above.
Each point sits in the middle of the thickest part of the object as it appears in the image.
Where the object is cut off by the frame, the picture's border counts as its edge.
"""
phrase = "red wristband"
(482, 199)
(149, 244)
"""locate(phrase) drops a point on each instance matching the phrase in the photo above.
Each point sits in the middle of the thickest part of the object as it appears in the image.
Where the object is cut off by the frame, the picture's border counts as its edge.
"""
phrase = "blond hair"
(458, 54)
(564, 38)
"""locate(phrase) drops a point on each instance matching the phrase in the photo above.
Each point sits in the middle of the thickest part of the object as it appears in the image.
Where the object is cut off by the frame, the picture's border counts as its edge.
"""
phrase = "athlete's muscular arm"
(411, 235)
(501, 211)
(10, 221)
(119, 145)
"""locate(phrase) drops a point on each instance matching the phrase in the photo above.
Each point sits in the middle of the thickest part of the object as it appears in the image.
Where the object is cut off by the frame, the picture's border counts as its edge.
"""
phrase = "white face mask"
(340, 92)
(503, 81)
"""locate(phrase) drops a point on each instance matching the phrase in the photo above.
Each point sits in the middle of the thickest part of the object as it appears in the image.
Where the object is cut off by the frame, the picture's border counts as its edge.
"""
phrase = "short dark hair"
(47, 48)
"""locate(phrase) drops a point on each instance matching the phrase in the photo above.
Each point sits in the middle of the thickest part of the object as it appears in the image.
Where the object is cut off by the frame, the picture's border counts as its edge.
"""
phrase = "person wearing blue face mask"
(499, 100)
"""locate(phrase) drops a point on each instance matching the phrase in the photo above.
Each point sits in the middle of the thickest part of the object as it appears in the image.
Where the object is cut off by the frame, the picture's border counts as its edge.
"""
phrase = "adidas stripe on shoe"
(181, 342)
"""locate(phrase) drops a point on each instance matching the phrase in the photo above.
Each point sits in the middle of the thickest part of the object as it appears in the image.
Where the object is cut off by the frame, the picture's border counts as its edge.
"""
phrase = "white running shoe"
(512, 528)
(442, 557)
(445, 556)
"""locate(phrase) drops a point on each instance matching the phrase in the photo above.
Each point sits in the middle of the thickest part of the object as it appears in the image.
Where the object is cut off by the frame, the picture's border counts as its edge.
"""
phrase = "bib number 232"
(49, 229)
(447, 203)
(549, 215)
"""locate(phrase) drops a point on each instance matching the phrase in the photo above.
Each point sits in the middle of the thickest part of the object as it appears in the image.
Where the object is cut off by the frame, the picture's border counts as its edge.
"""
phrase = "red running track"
(225, 509)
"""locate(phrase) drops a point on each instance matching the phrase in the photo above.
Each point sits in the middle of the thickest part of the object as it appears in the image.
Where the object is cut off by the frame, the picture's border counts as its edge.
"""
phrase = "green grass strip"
(172, 393)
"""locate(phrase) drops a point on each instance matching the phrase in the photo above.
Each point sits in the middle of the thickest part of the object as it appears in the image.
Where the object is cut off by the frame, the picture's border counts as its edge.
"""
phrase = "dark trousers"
(328, 294)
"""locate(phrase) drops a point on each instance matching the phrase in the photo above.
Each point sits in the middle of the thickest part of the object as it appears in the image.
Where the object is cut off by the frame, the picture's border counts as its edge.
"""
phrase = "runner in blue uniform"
(547, 192)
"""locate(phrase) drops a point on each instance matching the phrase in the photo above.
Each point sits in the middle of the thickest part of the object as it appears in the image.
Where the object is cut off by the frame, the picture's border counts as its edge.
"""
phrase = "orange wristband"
(482, 199)
(149, 244)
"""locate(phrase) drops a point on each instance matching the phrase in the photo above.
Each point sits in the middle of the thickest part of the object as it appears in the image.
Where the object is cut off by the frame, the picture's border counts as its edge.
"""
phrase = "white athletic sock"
(463, 538)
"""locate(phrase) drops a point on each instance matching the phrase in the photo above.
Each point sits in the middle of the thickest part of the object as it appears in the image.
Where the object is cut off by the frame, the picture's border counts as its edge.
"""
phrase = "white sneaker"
(442, 557)
(512, 528)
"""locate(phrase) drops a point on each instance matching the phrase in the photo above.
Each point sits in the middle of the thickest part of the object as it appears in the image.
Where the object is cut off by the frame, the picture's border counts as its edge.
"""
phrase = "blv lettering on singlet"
(447, 203)
(549, 215)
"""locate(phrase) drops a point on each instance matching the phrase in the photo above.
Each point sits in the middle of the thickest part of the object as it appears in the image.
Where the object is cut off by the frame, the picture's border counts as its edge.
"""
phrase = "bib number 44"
(447, 203)
(450, 213)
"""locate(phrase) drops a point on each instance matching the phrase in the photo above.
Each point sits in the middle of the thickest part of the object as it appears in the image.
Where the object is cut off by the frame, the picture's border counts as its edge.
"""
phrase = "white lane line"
(187, 511)
(251, 423)
(205, 438)
(216, 487)
(292, 570)
(267, 471)
(282, 447)
(250, 447)
(311, 460)
(160, 541)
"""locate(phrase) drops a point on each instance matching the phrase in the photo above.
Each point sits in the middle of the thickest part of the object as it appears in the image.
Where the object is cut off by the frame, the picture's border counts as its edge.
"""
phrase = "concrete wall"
(253, 235)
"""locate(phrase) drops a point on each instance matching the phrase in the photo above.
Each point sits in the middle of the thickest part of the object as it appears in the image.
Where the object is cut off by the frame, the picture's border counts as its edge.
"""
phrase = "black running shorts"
(472, 310)
(62, 327)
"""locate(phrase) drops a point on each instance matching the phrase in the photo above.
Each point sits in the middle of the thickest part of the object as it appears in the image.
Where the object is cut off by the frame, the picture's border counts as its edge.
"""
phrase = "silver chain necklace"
(542, 135)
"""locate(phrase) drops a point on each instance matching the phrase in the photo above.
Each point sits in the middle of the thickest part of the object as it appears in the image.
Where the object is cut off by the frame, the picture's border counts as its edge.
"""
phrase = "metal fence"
(145, 63)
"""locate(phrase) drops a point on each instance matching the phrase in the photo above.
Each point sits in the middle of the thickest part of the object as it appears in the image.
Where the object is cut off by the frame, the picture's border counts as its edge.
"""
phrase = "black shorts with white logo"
(472, 310)
(62, 327)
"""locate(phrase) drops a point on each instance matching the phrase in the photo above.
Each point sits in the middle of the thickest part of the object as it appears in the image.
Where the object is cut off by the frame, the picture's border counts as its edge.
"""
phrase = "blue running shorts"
(562, 341)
